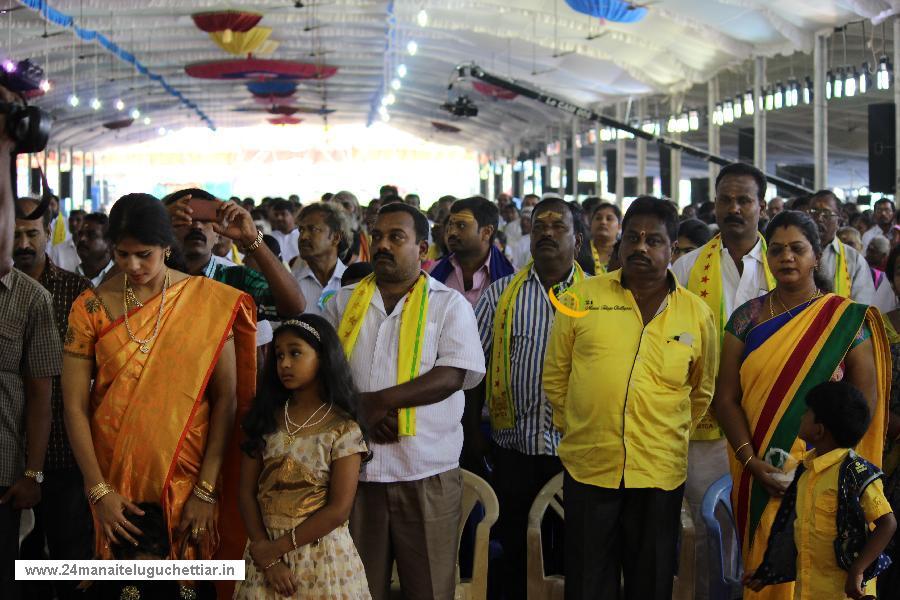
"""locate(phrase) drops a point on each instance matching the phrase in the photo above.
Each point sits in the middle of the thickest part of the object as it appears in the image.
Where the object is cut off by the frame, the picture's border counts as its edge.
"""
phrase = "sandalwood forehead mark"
(549, 215)
(463, 215)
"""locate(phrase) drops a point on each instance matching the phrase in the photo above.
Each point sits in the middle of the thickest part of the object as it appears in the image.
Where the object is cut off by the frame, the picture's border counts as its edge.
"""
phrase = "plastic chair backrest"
(476, 491)
(722, 585)
(541, 587)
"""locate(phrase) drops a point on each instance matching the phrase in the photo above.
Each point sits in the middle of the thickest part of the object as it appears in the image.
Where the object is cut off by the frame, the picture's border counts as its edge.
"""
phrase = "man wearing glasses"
(841, 265)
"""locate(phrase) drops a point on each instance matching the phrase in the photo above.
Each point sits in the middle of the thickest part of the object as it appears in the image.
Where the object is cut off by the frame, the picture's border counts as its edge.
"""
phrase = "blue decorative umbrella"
(618, 11)
(274, 87)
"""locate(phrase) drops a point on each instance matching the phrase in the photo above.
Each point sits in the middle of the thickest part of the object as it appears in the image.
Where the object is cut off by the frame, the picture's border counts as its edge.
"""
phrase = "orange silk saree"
(149, 411)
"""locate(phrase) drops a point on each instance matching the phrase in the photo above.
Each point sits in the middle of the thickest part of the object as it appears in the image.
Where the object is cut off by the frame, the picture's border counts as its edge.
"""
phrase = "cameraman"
(7, 211)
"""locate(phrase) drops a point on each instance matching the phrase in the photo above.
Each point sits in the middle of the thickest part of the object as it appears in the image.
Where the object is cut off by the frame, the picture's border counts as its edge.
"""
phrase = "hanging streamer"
(89, 35)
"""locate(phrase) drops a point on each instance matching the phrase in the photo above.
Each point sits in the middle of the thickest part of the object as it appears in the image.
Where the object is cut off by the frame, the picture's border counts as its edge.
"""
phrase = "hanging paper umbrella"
(226, 21)
(257, 68)
(277, 87)
(285, 120)
(445, 127)
(241, 43)
(493, 91)
(618, 11)
(119, 124)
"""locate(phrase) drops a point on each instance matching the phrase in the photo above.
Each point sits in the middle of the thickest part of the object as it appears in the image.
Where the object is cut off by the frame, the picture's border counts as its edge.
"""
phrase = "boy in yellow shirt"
(823, 536)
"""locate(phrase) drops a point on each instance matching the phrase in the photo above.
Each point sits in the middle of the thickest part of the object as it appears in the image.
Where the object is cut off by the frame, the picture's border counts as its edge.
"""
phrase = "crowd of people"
(299, 386)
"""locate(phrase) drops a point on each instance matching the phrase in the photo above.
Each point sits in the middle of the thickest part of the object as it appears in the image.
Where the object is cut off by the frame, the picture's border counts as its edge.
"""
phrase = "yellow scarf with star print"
(412, 334)
(599, 267)
(705, 280)
(842, 282)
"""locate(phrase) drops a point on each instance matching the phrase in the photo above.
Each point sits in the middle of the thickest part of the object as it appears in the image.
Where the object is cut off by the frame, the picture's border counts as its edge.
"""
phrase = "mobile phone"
(204, 210)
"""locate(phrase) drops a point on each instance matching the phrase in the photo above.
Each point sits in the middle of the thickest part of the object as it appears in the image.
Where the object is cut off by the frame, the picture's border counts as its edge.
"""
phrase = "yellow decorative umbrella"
(241, 43)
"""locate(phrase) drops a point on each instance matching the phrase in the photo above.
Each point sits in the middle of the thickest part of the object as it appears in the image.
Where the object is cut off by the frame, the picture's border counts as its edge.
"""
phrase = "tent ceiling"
(678, 46)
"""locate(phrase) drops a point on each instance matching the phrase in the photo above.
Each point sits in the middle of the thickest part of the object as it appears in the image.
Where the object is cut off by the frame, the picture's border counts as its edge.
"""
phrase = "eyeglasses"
(822, 212)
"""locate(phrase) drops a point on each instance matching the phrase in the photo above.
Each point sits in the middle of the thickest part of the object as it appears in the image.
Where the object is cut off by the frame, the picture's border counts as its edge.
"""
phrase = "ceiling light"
(395, 84)
(864, 80)
(748, 102)
(807, 90)
(829, 84)
(422, 18)
(778, 96)
(412, 47)
(792, 94)
(728, 112)
(883, 78)
(73, 100)
(96, 104)
(9, 66)
(770, 99)
(837, 88)
(45, 85)
(717, 115)
(146, 120)
(120, 106)
(391, 98)
(401, 70)
(738, 107)
(161, 131)
(684, 123)
(384, 100)
(135, 113)
(850, 82)
(694, 120)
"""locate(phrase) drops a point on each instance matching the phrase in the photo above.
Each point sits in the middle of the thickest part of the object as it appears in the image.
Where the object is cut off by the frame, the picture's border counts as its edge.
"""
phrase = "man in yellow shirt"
(630, 370)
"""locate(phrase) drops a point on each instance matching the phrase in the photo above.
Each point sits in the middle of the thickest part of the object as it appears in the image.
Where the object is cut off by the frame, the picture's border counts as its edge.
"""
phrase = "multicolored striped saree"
(783, 358)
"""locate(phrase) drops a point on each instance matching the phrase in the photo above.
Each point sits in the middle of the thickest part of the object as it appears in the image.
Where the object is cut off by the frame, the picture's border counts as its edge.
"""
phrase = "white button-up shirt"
(64, 255)
(288, 243)
(871, 233)
(314, 292)
(451, 340)
(737, 288)
(98, 279)
(862, 289)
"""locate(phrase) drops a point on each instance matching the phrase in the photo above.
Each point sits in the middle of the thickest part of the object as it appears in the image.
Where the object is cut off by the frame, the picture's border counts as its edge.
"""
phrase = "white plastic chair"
(540, 586)
(476, 491)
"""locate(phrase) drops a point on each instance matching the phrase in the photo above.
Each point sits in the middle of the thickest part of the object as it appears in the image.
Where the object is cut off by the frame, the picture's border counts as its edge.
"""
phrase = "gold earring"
(168, 253)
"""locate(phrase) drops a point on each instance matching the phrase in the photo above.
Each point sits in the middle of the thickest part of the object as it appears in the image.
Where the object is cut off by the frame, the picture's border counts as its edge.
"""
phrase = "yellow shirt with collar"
(626, 397)
(815, 529)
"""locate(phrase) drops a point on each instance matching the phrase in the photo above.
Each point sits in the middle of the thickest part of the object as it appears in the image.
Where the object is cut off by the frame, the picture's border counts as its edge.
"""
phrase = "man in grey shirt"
(824, 209)
(30, 356)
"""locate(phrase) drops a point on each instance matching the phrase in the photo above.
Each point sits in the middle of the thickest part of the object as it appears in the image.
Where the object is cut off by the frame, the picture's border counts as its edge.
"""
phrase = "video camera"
(27, 126)
(461, 107)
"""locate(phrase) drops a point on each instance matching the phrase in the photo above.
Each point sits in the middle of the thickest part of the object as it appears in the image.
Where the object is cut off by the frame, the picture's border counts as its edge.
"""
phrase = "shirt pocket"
(825, 513)
(11, 340)
(675, 361)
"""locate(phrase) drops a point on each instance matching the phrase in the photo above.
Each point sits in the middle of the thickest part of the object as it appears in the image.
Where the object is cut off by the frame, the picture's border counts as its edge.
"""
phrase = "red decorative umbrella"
(285, 120)
(119, 123)
(256, 68)
(226, 21)
(493, 91)
(445, 128)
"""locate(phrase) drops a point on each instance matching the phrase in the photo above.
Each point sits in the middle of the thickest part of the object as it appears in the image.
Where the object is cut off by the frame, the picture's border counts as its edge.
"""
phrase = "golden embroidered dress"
(293, 485)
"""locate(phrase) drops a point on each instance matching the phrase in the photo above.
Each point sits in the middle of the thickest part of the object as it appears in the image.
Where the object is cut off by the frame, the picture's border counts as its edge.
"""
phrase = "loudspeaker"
(545, 179)
(665, 171)
(34, 186)
(498, 185)
(745, 145)
(631, 186)
(571, 176)
(65, 184)
(517, 183)
(882, 149)
(610, 171)
(700, 190)
(482, 187)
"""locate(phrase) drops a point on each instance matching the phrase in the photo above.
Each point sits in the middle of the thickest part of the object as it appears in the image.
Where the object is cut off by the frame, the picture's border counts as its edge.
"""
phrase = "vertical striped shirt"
(533, 314)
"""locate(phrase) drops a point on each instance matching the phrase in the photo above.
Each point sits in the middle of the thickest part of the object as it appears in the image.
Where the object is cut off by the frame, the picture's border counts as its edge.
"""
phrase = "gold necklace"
(815, 295)
(145, 344)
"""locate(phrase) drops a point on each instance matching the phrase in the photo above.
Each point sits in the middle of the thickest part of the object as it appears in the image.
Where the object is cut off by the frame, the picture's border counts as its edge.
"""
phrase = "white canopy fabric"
(679, 43)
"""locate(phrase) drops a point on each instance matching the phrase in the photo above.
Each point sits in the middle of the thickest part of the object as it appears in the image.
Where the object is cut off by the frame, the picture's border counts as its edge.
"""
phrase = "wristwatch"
(38, 476)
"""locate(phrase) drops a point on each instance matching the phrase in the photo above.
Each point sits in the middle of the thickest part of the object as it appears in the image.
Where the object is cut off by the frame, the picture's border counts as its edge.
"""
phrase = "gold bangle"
(97, 493)
(271, 564)
(294, 538)
(256, 244)
(207, 487)
(199, 493)
(747, 462)
(741, 447)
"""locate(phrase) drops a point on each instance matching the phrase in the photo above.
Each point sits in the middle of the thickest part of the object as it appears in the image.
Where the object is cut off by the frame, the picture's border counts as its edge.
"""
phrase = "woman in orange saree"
(771, 356)
(151, 388)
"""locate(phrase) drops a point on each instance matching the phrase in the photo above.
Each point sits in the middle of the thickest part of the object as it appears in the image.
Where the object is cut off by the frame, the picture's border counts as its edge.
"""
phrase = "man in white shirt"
(94, 253)
(839, 261)
(884, 213)
(407, 504)
(284, 229)
(512, 225)
(739, 252)
(521, 250)
(324, 233)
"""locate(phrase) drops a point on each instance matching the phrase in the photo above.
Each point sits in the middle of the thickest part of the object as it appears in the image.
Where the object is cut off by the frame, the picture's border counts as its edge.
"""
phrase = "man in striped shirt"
(514, 318)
